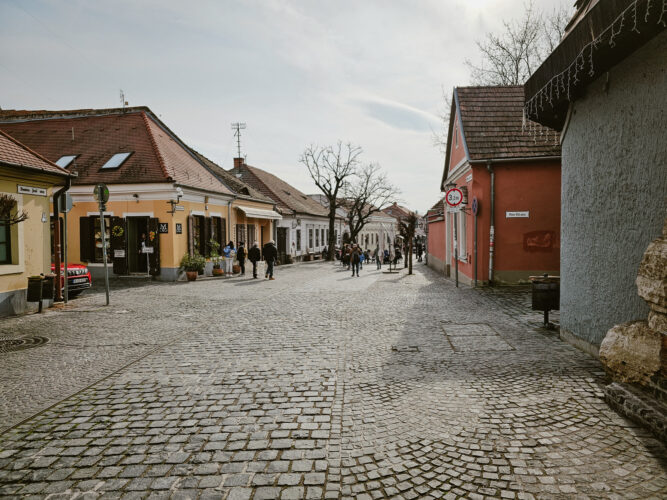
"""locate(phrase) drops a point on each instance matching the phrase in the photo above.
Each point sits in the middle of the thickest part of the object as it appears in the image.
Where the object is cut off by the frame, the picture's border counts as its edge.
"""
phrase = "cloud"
(396, 114)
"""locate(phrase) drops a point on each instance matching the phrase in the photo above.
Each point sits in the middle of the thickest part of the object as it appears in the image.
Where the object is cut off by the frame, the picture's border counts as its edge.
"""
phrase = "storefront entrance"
(135, 245)
(137, 241)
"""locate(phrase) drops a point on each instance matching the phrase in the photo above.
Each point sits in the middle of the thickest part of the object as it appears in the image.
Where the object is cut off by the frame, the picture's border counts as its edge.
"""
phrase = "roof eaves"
(64, 172)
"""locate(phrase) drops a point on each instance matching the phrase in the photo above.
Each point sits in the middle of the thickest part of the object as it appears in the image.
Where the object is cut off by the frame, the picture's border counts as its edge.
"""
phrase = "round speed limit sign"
(454, 197)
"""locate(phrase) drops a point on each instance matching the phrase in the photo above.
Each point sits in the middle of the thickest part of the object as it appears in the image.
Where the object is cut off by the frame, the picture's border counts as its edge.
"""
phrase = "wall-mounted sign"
(163, 227)
(469, 178)
(517, 215)
(179, 208)
(147, 250)
(475, 205)
(179, 228)
(452, 210)
(35, 191)
(120, 254)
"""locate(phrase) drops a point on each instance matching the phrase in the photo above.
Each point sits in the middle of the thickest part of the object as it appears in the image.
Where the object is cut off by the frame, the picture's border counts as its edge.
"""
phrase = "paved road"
(316, 385)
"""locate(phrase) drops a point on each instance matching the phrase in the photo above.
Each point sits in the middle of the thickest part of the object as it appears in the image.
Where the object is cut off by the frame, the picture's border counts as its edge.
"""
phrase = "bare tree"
(330, 167)
(369, 193)
(406, 228)
(510, 57)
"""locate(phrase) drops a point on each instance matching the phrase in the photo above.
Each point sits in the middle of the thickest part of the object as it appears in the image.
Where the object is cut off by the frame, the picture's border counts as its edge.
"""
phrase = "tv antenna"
(237, 127)
(123, 102)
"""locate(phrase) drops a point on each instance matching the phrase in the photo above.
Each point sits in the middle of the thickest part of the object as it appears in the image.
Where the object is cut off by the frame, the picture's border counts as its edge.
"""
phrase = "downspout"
(489, 167)
(56, 237)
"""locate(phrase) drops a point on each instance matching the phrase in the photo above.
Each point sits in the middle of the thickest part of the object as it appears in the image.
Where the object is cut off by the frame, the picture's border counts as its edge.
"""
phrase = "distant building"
(513, 182)
(27, 180)
(304, 227)
(603, 88)
(435, 233)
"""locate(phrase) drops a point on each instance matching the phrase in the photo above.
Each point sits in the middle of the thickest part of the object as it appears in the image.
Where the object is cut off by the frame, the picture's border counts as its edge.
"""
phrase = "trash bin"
(546, 295)
(34, 288)
(48, 286)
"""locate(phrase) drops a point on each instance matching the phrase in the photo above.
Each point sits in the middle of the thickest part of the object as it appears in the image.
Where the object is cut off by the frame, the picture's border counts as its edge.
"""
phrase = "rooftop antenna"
(237, 127)
(123, 102)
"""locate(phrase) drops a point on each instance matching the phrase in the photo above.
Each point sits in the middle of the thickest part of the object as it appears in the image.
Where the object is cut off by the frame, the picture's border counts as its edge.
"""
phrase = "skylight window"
(116, 160)
(64, 161)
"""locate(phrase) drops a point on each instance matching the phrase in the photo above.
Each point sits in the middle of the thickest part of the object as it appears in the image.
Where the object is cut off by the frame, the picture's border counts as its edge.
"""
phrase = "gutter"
(56, 236)
(514, 160)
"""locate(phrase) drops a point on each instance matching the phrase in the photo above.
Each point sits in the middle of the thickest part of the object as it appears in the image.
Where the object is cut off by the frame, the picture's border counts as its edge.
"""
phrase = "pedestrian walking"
(241, 255)
(378, 258)
(362, 258)
(229, 253)
(420, 250)
(254, 256)
(270, 255)
(355, 259)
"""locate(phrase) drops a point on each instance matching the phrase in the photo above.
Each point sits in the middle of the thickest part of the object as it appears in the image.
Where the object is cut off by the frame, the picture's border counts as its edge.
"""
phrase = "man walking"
(254, 257)
(240, 255)
(270, 255)
(355, 259)
(378, 258)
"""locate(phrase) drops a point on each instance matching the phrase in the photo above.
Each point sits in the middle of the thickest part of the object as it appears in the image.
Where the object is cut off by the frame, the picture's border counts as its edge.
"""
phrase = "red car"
(78, 277)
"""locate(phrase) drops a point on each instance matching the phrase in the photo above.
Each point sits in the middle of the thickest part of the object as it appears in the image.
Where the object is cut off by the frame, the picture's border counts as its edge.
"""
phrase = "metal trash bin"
(48, 286)
(546, 295)
(35, 288)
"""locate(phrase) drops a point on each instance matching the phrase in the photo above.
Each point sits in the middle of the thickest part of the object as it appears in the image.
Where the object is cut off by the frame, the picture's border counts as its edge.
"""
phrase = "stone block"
(630, 352)
(657, 321)
(652, 275)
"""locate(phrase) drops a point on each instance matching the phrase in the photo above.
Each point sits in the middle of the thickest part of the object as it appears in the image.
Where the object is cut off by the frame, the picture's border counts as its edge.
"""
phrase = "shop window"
(199, 235)
(90, 238)
(5, 243)
(252, 238)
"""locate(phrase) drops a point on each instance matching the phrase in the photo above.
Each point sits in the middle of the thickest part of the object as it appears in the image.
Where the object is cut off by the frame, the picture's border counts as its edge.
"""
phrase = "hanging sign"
(517, 215)
(179, 228)
(454, 197)
(163, 228)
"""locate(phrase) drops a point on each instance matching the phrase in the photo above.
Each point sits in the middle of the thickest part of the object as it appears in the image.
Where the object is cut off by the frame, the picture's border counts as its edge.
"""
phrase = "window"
(90, 238)
(310, 238)
(98, 250)
(116, 160)
(198, 236)
(251, 235)
(317, 237)
(322, 233)
(327, 240)
(298, 239)
(462, 236)
(64, 161)
(5, 243)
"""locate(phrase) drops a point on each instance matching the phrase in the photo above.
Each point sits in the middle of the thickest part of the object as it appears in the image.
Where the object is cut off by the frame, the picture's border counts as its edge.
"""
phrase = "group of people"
(254, 256)
(353, 256)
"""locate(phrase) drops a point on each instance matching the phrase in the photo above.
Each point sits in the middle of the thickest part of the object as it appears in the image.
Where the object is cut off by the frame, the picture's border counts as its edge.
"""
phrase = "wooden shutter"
(154, 258)
(118, 233)
(191, 234)
(86, 240)
(206, 233)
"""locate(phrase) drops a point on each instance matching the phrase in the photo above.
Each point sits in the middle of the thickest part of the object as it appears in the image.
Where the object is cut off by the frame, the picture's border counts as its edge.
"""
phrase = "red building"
(508, 227)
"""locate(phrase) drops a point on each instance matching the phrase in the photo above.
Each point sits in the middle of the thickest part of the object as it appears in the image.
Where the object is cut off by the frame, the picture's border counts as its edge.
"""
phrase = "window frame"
(7, 243)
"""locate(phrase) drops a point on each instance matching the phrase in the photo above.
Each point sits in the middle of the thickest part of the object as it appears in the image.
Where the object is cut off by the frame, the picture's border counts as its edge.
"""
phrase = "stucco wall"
(614, 190)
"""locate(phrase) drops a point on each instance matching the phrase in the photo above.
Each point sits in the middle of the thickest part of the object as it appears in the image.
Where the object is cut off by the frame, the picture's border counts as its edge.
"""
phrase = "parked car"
(78, 276)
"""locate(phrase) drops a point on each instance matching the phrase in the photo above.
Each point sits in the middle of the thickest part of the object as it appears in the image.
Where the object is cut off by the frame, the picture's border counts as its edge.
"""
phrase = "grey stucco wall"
(614, 192)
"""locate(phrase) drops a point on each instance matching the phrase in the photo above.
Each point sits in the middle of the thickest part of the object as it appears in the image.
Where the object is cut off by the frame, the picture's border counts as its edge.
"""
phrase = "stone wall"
(613, 192)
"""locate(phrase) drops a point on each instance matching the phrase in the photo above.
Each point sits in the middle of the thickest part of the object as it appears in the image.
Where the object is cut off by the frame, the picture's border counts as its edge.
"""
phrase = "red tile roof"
(94, 136)
(288, 199)
(492, 123)
(15, 154)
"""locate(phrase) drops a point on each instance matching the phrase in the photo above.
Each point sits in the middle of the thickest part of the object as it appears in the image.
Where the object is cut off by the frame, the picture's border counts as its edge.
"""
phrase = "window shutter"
(154, 258)
(207, 231)
(86, 240)
(118, 232)
(222, 235)
(191, 235)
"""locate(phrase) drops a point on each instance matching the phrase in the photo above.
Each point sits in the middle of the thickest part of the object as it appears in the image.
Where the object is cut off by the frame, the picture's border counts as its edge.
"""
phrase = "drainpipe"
(229, 219)
(489, 167)
(56, 238)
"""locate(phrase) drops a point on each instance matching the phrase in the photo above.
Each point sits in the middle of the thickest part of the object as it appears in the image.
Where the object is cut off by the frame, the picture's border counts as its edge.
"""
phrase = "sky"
(298, 73)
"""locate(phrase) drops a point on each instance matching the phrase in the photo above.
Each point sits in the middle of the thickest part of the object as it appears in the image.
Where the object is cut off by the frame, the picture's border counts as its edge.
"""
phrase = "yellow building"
(165, 200)
(26, 183)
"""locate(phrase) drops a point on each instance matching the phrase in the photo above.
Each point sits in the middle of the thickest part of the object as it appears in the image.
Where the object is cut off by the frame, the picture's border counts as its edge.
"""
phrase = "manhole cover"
(9, 345)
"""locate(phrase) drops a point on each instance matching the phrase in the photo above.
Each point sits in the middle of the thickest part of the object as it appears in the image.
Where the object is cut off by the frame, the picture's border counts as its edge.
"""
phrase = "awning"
(259, 213)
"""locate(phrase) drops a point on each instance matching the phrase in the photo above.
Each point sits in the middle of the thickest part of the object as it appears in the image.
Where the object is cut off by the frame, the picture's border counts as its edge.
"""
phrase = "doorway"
(282, 244)
(137, 239)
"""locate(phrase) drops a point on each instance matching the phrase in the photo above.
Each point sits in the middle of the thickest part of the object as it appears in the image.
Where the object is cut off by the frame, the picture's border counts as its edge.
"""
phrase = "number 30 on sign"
(454, 197)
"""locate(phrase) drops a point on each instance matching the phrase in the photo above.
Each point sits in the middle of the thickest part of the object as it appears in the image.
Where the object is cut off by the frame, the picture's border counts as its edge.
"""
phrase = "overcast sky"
(303, 72)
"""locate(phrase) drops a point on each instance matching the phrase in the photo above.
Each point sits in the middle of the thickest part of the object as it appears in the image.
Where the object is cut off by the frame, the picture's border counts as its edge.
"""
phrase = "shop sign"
(147, 250)
(35, 191)
(517, 215)
(179, 228)
(119, 254)
(163, 228)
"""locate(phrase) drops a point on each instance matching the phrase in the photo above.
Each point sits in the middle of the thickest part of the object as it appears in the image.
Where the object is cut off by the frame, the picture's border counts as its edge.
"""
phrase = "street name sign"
(517, 215)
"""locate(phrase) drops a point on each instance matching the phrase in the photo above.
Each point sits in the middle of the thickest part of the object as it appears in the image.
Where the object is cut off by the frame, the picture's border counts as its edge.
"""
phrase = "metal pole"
(456, 250)
(104, 252)
(475, 247)
(64, 243)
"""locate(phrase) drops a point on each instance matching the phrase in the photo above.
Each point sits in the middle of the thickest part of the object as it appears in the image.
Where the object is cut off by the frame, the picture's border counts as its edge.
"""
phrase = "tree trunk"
(410, 253)
(332, 228)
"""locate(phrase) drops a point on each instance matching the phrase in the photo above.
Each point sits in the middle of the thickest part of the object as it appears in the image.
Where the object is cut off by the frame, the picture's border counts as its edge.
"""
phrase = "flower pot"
(192, 275)
(218, 272)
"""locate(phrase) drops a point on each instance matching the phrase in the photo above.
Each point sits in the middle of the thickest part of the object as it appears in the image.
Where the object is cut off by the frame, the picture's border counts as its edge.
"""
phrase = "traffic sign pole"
(101, 193)
(454, 197)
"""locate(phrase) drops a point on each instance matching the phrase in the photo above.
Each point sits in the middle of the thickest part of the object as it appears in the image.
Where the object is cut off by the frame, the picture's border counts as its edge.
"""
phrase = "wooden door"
(154, 241)
(119, 245)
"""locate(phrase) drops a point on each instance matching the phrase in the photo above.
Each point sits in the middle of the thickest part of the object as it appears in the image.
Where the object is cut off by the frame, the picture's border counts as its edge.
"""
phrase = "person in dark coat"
(241, 255)
(355, 260)
(270, 255)
(254, 256)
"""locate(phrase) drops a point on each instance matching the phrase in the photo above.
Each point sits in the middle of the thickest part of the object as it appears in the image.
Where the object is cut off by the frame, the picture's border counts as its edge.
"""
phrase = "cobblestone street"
(315, 385)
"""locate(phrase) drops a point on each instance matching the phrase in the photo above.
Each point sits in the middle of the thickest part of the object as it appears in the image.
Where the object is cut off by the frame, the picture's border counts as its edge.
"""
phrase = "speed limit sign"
(454, 197)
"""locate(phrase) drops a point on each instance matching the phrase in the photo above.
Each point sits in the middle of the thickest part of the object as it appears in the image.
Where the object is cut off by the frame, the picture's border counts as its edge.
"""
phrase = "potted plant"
(193, 265)
(215, 258)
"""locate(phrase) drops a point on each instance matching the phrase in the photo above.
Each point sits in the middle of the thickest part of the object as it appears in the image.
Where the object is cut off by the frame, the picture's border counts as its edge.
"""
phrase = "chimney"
(238, 162)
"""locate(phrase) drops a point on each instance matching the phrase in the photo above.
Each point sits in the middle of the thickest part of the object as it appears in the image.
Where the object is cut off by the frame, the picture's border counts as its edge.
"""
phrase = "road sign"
(101, 193)
(475, 205)
(66, 203)
(454, 197)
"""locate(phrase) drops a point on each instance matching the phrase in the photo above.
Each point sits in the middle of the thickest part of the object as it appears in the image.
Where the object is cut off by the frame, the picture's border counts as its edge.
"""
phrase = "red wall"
(521, 244)
(457, 153)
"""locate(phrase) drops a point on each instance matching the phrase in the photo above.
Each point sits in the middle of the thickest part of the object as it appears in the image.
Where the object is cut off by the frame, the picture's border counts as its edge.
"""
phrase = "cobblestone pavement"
(316, 385)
